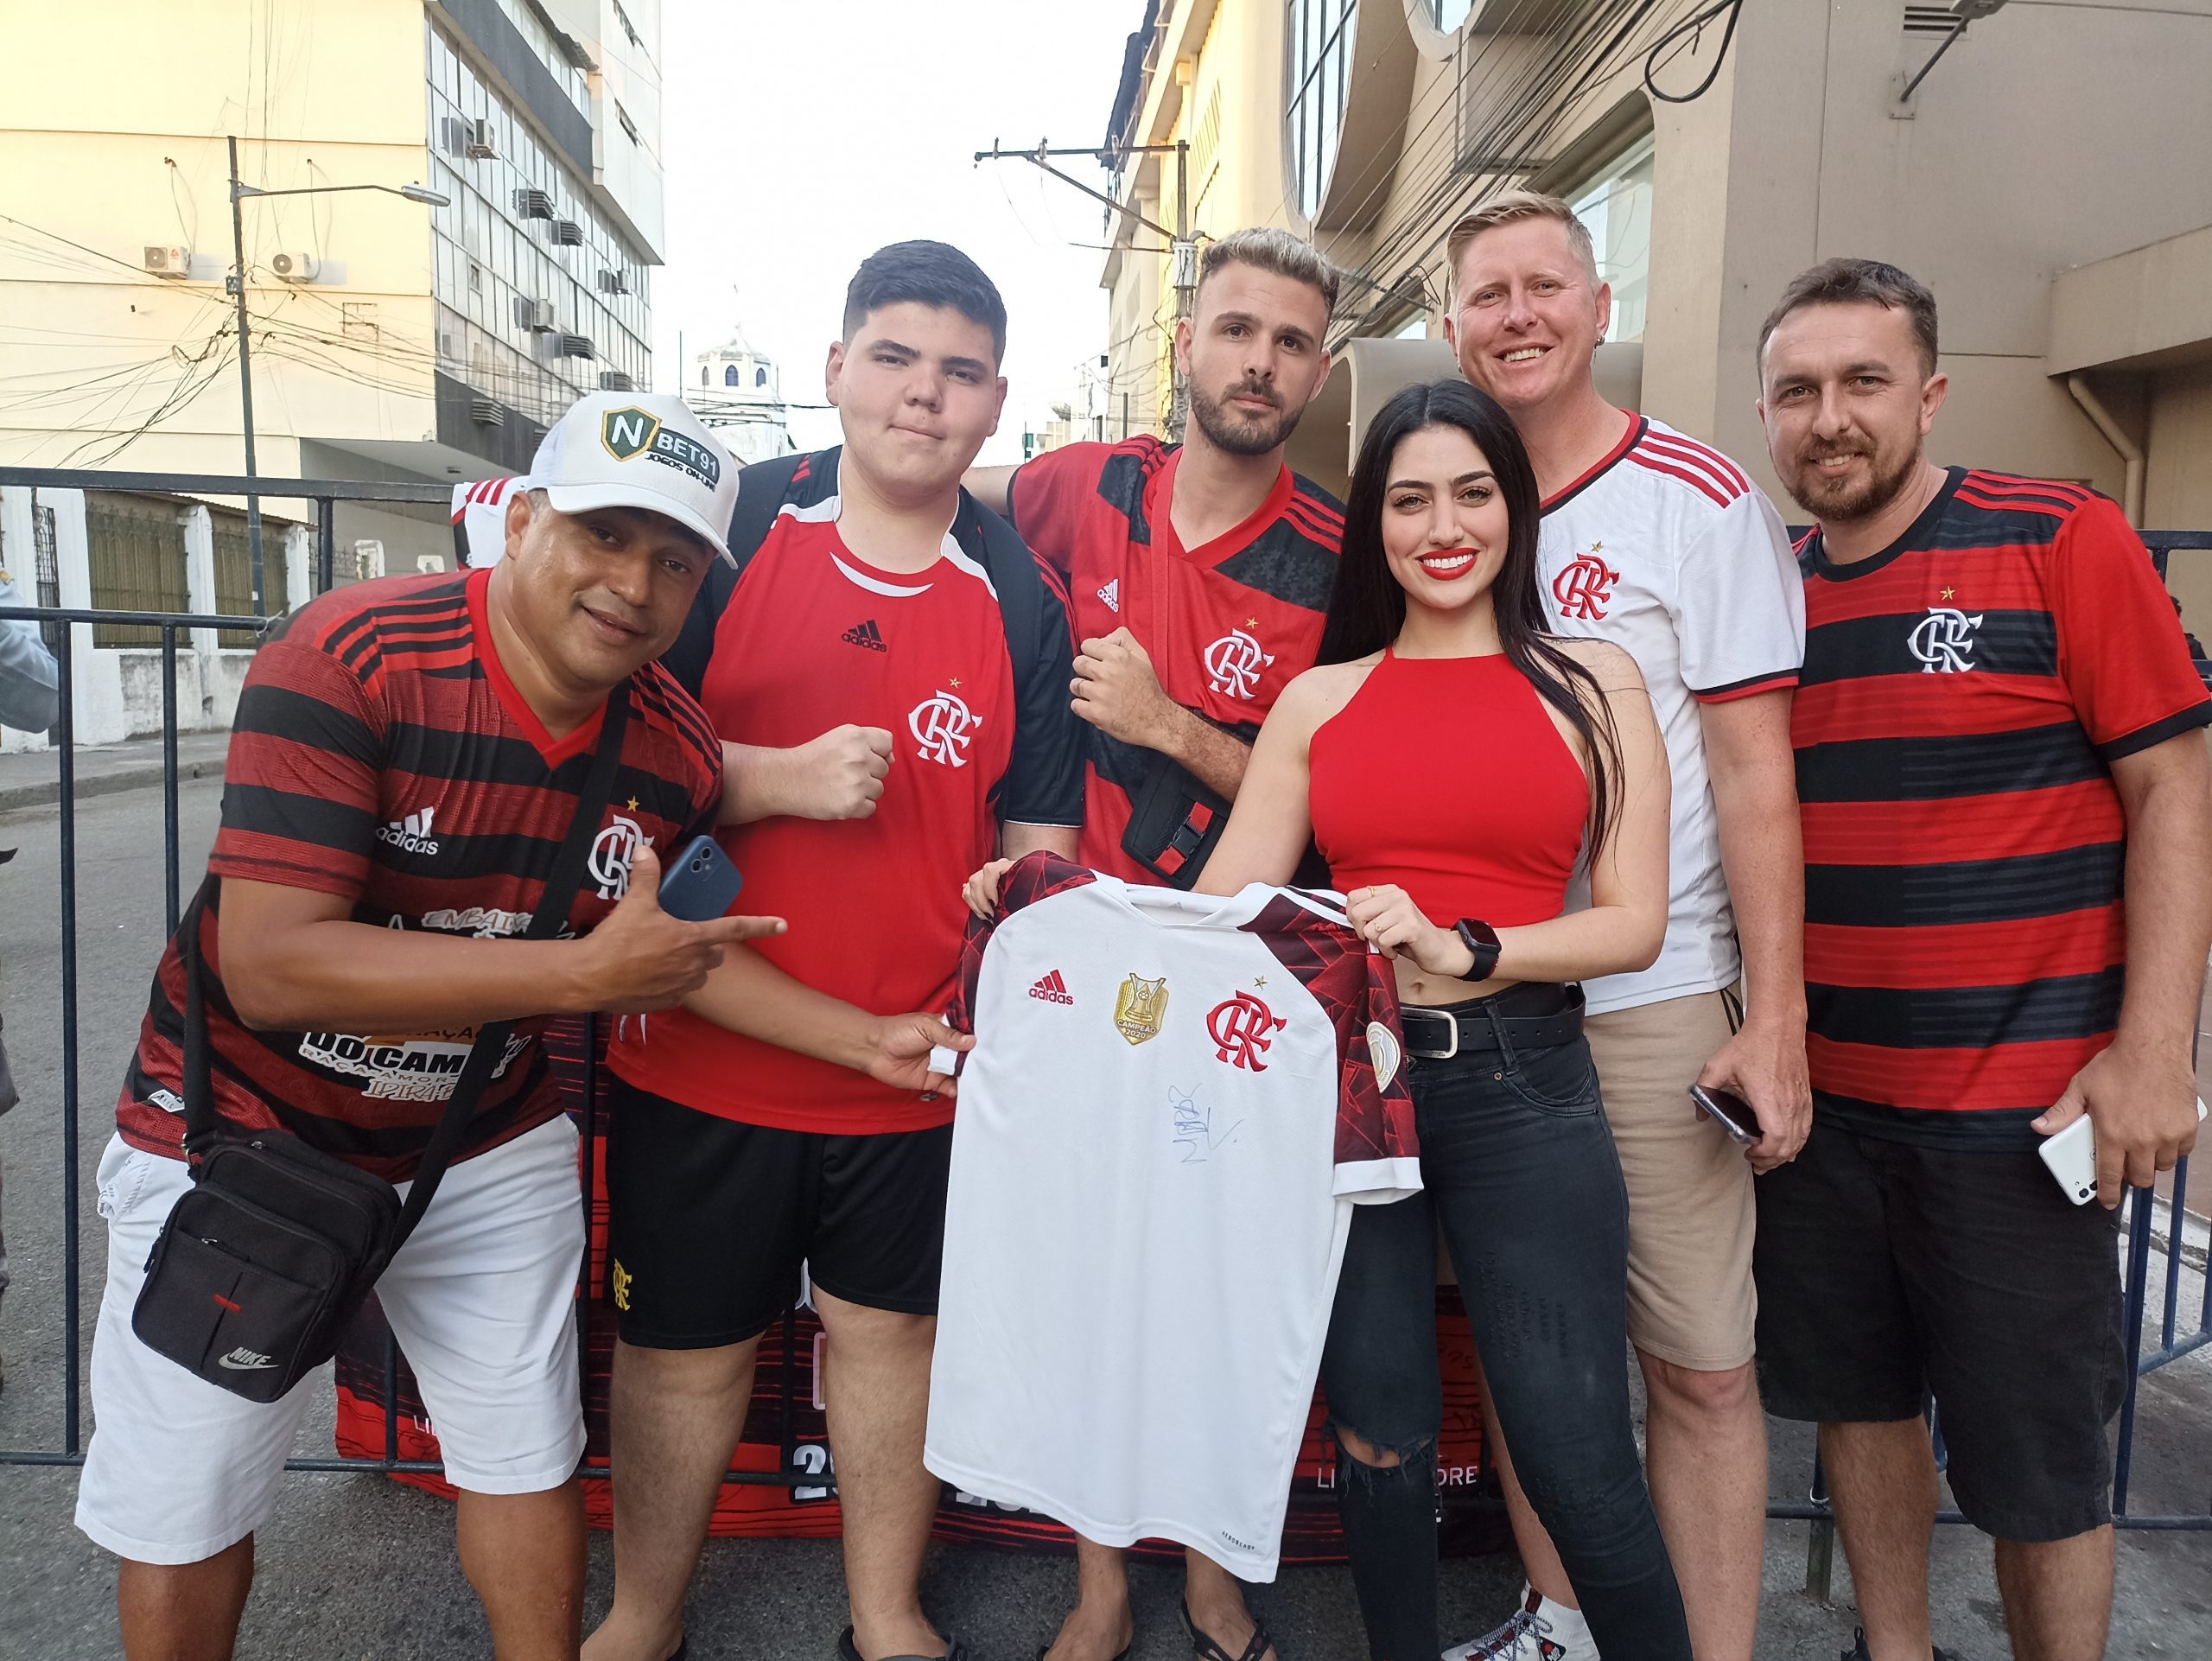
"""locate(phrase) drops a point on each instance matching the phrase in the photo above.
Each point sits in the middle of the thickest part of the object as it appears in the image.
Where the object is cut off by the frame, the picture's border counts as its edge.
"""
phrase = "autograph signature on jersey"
(1194, 1132)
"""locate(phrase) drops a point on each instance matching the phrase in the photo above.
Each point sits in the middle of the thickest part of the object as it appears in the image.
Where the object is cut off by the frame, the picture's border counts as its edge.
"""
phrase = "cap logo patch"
(631, 432)
(626, 432)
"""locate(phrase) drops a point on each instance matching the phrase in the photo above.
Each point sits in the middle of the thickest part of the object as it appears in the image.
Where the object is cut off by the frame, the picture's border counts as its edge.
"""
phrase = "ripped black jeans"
(1520, 1169)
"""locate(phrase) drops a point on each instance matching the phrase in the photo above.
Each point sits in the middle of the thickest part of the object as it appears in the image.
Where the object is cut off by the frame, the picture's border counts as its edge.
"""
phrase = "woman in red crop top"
(1455, 765)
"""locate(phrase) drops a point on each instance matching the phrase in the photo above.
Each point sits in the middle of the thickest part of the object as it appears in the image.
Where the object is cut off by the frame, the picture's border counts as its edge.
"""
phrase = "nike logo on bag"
(243, 1360)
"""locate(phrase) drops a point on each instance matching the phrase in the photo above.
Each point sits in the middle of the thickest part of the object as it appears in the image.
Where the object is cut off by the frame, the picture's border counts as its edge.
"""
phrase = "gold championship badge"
(1139, 1007)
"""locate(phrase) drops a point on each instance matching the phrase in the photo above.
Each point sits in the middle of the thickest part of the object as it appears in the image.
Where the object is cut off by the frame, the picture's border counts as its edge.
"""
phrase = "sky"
(798, 139)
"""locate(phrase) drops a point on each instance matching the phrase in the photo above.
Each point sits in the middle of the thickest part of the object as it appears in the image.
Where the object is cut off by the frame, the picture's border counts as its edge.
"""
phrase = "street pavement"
(356, 1566)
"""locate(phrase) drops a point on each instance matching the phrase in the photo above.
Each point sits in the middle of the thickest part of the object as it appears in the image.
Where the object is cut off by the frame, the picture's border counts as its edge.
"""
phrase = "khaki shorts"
(1691, 1216)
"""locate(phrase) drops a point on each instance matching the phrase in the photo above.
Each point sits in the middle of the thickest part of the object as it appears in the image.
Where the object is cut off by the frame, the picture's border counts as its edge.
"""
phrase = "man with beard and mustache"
(1660, 545)
(1197, 574)
(1998, 723)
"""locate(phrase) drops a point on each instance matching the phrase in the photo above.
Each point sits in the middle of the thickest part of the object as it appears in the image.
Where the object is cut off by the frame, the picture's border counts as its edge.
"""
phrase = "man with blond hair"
(1197, 576)
(1660, 544)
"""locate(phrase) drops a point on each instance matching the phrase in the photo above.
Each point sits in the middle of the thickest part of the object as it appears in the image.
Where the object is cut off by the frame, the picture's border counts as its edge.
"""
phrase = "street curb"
(136, 776)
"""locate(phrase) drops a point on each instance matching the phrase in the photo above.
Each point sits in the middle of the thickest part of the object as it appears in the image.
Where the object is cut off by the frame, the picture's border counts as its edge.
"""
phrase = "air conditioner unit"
(614, 380)
(168, 262)
(486, 412)
(575, 346)
(616, 282)
(295, 268)
(537, 315)
(481, 144)
(568, 233)
(533, 205)
(452, 135)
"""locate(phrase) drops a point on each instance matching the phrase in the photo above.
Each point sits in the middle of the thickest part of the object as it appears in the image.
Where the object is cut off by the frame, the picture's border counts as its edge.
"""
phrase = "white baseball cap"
(644, 450)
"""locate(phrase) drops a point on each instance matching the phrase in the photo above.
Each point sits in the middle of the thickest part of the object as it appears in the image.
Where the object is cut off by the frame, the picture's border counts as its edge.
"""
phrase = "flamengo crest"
(1584, 587)
(944, 726)
(1239, 1027)
(1235, 663)
(1944, 640)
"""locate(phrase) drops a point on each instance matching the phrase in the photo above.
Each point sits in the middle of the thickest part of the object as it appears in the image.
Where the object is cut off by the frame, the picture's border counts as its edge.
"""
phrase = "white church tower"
(735, 390)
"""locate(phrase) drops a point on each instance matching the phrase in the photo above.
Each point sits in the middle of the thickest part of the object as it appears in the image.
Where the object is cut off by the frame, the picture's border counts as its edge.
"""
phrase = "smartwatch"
(1481, 940)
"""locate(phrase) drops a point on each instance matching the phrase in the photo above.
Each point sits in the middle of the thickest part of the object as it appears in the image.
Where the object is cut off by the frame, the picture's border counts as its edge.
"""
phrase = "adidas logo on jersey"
(412, 834)
(865, 635)
(1111, 594)
(1051, 988)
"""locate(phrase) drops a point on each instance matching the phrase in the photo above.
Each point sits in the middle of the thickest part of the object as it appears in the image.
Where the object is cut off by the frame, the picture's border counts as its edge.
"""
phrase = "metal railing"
(2142, 1244)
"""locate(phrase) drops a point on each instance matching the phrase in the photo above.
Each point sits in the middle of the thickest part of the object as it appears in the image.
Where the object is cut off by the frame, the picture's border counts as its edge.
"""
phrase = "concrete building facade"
(390, 340)
(2070, 253)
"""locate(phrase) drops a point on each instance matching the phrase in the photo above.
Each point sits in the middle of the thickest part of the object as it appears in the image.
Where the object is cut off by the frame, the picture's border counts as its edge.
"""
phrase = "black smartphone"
(700, 883)
(1731, 1112)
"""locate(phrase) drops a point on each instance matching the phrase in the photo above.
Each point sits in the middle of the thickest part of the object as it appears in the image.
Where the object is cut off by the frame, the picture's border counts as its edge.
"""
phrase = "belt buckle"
(1451, 1026)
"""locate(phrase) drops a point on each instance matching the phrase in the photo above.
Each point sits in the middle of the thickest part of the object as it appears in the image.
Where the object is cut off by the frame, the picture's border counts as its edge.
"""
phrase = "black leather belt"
(1481, 1026)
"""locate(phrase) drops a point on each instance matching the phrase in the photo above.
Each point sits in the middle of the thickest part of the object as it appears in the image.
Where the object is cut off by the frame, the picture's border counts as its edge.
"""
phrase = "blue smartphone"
(700, 884)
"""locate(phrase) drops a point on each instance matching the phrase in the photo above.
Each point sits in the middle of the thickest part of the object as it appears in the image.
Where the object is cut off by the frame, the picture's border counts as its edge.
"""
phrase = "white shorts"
(481, 1298)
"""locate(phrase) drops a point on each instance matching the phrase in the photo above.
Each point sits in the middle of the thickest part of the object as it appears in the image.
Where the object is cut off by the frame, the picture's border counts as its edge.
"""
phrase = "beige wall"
(2020, 161)
(82, 156)
(2177, 483)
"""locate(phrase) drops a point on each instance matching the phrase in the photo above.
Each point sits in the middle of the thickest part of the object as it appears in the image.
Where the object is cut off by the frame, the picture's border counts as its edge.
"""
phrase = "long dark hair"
(1368, 607)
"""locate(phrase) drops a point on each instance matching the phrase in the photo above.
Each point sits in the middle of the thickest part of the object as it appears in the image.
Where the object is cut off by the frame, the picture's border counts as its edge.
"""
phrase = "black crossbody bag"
(262, 1264)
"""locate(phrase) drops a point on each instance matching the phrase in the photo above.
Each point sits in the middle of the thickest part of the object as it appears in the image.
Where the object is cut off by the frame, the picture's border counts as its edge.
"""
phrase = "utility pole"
(1183, 253)
(236, 286)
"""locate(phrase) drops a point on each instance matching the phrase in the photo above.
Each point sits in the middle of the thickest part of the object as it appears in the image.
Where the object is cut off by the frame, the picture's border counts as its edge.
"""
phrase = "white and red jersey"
(1668, 551)
(480, 519)
(1173, 1103)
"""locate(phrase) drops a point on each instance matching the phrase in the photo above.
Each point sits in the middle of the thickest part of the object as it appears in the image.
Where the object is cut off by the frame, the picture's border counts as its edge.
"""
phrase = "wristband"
(1480, 938)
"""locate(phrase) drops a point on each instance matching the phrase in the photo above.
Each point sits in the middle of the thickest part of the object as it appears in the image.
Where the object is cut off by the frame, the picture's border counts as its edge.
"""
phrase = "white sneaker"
(1540, 1630)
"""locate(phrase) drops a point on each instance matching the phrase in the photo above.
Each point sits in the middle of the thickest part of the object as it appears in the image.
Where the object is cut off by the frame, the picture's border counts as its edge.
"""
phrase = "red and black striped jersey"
(380, 754)
(1964, 695)
(1227, 625)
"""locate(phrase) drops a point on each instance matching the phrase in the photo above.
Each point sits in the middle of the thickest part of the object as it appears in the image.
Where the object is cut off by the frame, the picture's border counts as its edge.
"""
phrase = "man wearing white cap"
(406, 764)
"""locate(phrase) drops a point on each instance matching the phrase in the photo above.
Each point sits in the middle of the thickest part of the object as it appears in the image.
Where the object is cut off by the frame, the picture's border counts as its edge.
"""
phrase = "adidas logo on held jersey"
(1111, 594)
(865, 635)
(412, 834)
(1051, 988)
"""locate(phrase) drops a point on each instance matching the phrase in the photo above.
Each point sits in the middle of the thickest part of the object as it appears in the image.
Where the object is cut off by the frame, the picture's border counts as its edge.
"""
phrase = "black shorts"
(1888, 1269)
(709, 1220)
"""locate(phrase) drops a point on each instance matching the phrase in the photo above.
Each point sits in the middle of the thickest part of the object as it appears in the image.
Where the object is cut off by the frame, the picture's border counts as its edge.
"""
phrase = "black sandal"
(1208, 1650)
(1128, 1650)
(955, 1650)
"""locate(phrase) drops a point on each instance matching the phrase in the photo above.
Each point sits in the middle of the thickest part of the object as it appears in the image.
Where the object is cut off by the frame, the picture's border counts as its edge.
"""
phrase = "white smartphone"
(2071, 1155)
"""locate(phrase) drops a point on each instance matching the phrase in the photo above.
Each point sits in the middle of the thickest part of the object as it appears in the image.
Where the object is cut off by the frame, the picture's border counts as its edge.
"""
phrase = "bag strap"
(545, 922)
(552, 911)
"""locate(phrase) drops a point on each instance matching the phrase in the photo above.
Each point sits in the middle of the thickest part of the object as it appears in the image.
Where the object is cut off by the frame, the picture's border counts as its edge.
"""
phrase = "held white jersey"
(1174, 1102)
(1668, 551)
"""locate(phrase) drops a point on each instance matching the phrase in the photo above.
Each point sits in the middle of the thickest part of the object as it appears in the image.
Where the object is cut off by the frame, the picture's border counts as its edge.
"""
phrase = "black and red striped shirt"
(1227, 625)
(381, 754)
(1964, 695)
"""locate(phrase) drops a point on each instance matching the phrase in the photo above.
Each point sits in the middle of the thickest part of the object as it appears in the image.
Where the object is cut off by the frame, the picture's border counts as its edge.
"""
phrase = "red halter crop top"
(1446, 777)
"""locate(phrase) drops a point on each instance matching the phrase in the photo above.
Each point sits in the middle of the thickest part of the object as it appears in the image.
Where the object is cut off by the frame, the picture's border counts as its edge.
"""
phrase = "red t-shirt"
(1965, 692)
(1227, 625)
(380, 754)
(811, 636)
